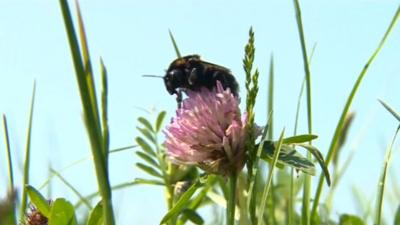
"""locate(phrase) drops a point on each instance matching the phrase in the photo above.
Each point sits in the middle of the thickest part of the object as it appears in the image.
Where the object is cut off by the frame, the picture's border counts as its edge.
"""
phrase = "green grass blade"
(178, 54)
(300, 139)
(90, 118)
(306, 63)
(9, 160)
(181, 203)
(252, 183)
(391, 110)
(271, 98)
(382, 181)
(51, 175)
(305, 215)
(27, 160)
(7, 209)
(269, 180)
(339, 127)
(104, 111)
(196, 202)
(397, 216)
(73, 189)
(88, 69)
(291, 203)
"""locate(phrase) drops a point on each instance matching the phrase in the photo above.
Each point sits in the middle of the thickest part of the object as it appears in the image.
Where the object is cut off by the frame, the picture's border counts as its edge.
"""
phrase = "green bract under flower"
(208, 131)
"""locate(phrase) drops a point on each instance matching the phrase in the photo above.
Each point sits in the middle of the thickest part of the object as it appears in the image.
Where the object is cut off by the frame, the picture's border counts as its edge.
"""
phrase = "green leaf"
(146, 124)
(391, 110)
(193, 216)
(160, 119)
(289, 157)
(38, 200)
(148, 159)
(62, 213)
(182, 202)
(96, 215)
(299, 139)
(149, 170)
(397, 217)
(147, 181)
(147, 134)
(347, 219)
(145, 146)
(320, 159)
(178, 54)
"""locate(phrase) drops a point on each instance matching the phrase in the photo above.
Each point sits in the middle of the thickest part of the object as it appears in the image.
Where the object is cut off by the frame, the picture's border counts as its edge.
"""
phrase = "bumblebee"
(192, 73)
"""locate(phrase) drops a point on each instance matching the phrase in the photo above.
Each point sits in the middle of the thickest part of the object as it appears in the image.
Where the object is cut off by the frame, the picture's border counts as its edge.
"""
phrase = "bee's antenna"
(146, 75)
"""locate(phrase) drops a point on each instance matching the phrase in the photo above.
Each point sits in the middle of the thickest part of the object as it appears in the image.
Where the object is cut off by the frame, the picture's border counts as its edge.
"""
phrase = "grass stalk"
(230, 209)
(305, 218)
(339, 127)
(269, 180)
(9, 160)
(10, 169)
(25, 179)
(382, 181)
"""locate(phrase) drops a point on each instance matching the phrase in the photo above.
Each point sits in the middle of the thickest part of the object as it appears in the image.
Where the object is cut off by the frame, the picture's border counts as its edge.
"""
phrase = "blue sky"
(132, 38)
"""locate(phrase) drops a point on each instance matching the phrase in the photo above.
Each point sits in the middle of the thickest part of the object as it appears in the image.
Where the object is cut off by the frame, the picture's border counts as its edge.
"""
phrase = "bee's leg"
(179, 98)
(193, 76)
(219, 76)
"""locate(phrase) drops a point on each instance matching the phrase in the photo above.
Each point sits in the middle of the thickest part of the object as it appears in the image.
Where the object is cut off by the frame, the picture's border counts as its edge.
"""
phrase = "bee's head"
(173, 79)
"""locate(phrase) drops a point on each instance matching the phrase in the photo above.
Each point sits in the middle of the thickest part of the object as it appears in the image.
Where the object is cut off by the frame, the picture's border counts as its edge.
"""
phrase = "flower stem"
(230, 209)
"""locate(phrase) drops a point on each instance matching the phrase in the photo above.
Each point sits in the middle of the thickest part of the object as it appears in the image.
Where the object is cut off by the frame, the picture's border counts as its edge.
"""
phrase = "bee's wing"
(215, 66)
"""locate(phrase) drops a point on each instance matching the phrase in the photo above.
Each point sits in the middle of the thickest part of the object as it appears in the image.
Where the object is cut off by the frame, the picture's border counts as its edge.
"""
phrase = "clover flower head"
(208, 131)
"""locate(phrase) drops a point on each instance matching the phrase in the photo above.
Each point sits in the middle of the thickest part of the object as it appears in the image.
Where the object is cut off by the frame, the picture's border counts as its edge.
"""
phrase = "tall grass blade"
(178, 54)
(291, 202)
(252, 192)
(397, 216)
(104, 111)
(9, 160)
(271, 98)
(339, 127)
(271, 131)
(13, 213)
(181, 203)
(25, 179)
(382, 181)
(87, 65)
(91, 117)
(305, 215)
(391, 110)
(269, 180)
